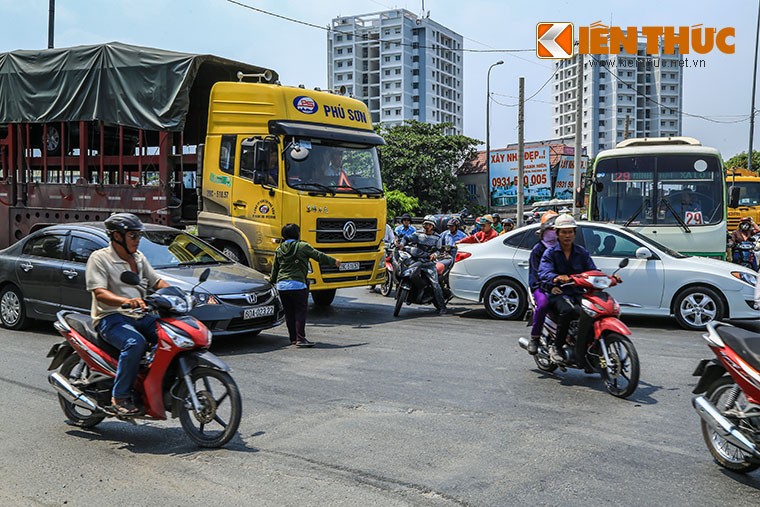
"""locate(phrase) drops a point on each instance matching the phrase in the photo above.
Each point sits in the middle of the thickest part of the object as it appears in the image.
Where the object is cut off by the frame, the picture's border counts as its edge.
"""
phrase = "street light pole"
(488, 136)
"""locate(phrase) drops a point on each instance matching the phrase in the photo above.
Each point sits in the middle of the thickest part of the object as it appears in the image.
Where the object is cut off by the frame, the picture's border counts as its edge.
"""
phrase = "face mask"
(745, 227)
(549, 237)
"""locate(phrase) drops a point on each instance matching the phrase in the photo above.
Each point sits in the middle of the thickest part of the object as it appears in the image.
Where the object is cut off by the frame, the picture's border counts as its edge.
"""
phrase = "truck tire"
(234, 252)
(323, 297)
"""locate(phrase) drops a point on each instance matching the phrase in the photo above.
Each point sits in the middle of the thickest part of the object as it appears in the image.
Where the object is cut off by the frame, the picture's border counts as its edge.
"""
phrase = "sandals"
(123, 407)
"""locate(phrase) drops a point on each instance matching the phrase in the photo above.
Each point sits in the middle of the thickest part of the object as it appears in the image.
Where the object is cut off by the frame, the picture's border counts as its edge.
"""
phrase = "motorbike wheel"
(387, 286)
(219, 417)
(401, 294)
(73, 369)
(622, 376)
(725, 454)
(543, 362)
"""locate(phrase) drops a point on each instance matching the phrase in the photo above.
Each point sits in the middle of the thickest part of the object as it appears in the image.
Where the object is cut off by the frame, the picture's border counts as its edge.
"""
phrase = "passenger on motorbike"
(558, 262)
(406, 228)
(428, 241)
(497, 225)
(128, 332)
(486, 231)
(547, 238)
(747, 228)
(449, 239)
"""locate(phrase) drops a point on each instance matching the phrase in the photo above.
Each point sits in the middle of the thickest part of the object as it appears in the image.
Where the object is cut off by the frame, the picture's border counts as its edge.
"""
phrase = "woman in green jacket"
(291, 265)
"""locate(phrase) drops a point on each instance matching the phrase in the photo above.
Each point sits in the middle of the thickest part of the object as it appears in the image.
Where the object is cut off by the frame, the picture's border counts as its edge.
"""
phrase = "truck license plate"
(263, 311)
(349, 266)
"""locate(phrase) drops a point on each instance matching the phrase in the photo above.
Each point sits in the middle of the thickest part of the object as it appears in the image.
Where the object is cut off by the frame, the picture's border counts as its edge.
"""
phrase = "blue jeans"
(131, 336)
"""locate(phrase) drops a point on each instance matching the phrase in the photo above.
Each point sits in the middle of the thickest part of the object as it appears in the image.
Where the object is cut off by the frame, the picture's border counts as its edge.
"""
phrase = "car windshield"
(659, 246)
(334, 168)
(165, 249)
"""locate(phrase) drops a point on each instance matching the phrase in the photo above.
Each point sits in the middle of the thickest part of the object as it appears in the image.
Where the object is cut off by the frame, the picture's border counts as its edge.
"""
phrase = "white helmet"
(565, 222)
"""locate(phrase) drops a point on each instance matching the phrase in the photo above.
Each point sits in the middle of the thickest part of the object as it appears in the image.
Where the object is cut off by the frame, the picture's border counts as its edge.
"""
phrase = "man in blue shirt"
(558, 262)
(406, 228)
(449, 238)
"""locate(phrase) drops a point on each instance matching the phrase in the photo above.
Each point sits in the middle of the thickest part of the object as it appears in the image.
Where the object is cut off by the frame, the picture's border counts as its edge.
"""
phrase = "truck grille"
(334, 230)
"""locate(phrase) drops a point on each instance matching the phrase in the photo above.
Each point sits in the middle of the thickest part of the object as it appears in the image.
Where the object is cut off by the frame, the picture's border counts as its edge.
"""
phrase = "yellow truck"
(745, 200)
(275, 155)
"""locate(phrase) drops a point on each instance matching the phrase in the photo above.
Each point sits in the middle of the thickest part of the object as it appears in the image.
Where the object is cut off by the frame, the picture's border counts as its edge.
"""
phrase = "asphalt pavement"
(416, 410)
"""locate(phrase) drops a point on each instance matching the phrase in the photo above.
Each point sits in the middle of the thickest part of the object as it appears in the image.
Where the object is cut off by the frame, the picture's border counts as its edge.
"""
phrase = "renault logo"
(251, 298)
(349, 230)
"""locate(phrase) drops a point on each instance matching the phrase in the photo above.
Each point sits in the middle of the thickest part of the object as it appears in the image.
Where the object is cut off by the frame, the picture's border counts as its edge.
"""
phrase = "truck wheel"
(235, 253)
(323, 297)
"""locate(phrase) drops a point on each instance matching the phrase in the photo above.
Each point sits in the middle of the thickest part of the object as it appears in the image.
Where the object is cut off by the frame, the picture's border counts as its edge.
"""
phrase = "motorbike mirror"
(204, 275)
(623, 263)
(130, 278)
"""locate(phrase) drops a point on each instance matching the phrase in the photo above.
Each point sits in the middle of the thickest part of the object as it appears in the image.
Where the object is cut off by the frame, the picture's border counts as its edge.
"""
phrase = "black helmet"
(496, 218)
(123, 222)
(406, 216)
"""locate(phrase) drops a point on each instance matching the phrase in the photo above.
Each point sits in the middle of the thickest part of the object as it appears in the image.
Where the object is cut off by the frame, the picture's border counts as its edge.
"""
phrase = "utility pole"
(754, 83)
(51, 23)
(578, 135)
(520, 152)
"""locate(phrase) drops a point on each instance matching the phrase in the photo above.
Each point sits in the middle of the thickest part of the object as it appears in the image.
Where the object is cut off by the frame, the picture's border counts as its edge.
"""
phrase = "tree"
(740, 161)
(398, 203)
(420, 160)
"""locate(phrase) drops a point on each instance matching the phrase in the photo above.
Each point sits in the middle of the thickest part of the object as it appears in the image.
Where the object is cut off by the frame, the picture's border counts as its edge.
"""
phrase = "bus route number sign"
(693, 218)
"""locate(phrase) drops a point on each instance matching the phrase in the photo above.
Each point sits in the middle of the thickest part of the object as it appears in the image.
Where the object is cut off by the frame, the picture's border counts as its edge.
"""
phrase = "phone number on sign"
(533, 179)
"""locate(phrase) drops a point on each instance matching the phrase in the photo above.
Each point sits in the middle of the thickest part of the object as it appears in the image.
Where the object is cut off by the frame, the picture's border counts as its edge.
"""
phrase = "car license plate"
(263, 311)
(349, 266)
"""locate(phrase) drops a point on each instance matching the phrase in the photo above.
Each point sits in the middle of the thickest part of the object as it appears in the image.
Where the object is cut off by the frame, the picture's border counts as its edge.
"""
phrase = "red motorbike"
(178, 374)
(730, 405)
(597, 340)
(390, 274)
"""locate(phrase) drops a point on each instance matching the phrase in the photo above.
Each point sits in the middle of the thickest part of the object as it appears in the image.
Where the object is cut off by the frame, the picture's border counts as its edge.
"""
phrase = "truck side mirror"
(580, 200)
(734, 197)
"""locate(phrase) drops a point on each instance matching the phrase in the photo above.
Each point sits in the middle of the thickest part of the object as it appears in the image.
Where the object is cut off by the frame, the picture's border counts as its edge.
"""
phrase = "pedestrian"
(291, 265)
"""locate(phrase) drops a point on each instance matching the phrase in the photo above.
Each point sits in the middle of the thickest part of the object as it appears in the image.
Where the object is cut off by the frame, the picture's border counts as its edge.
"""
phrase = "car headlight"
(207, 299)
(747, 278)
(177, 336)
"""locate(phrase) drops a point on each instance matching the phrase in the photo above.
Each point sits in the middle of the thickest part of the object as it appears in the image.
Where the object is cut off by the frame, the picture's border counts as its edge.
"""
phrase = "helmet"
(485, 219)
(452, 222)
(123, 222)
(429, 219)
(496, 218)
(549, 215)
(746, 220)
(406, 216)
(565, 222)
(509, 221)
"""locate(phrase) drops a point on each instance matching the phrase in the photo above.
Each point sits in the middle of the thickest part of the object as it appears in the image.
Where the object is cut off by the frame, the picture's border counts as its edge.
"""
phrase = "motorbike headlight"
(177, 336)
(599, 282)
(180, 304)
(745, 277)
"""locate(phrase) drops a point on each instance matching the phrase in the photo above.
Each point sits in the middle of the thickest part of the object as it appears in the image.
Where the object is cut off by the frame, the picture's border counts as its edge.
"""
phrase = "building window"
(398, 71)
(398, 84)
(339, 77)
(602, 110)
(339, 38)
(339, 51)
(398, 58)
(398, 98)
(349, 50)
(415, 86)
(339, 65)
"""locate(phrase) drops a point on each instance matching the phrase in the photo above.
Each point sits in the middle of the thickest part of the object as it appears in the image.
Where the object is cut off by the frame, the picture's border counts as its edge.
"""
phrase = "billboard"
(563, 187)
(536, 177)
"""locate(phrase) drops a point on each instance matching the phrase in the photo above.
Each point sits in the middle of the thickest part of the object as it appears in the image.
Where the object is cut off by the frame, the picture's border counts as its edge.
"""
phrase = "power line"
(379, 40)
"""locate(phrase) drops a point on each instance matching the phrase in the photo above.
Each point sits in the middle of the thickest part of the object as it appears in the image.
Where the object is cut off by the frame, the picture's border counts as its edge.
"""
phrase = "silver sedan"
(657, 281)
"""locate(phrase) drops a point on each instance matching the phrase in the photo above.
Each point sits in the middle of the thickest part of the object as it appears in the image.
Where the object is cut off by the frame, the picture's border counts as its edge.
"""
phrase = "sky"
(721, 91)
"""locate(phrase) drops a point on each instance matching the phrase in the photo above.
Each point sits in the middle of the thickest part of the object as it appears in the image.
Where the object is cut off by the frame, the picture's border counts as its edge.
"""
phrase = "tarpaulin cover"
(116, 83)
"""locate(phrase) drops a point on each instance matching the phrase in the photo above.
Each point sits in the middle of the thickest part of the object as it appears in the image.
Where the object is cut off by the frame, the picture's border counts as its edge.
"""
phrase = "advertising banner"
(563, 188)
(536, 179)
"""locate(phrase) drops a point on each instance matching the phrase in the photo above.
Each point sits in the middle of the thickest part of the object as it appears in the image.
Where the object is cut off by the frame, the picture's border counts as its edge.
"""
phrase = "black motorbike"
(413, 268)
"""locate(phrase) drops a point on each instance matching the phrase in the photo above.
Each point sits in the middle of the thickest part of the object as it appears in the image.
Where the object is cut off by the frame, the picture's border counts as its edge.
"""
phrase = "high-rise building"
(404, 67)
(624, 96)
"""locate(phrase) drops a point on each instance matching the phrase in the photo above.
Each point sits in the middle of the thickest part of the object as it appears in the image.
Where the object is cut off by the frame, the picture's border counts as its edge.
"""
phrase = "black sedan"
(45, 272)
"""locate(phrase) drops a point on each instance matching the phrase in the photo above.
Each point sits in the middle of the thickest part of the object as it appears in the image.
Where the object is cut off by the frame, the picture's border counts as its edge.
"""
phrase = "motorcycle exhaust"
(71, 393)
(523, 342)
(723, 426)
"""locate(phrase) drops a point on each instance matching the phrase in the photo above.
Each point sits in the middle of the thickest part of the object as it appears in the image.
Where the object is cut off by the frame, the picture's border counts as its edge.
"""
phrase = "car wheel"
(696, 306)
(12, 309)
(505, 300)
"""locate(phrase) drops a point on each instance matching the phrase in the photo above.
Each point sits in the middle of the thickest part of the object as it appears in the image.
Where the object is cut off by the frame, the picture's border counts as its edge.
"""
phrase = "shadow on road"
(641, 396)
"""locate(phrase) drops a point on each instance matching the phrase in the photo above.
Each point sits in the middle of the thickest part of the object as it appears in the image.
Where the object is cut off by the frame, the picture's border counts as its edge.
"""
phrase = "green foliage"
(420, 159)
(740, 161)
(399, 203)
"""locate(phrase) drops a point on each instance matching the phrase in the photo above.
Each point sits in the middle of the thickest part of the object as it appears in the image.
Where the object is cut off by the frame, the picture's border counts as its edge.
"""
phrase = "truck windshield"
(749, 192)
(660, 190)
(335, 168)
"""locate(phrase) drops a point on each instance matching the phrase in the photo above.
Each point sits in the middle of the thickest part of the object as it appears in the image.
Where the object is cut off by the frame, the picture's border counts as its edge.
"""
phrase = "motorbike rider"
(485, 233)
(449, 239)
(428, 241)
(547, 238)
(497, 224)
(747, 228)
(406, 228)
(507, 225)
(558, 262)
(126, 331)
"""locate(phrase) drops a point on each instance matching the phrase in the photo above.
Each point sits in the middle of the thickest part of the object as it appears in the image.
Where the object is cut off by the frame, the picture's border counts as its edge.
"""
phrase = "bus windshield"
(334, 168)
(659, 190)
